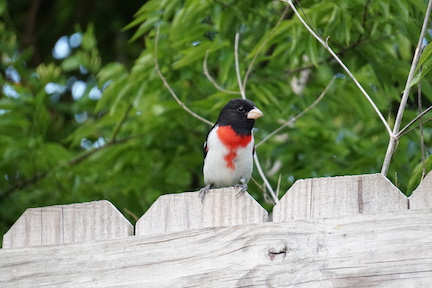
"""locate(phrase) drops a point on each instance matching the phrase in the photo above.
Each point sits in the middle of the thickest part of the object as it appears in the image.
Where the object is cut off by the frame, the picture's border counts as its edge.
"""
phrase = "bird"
(229, 147)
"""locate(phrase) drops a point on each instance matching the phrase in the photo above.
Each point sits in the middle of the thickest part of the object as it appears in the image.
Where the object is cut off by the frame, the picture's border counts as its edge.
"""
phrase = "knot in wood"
(279, 252)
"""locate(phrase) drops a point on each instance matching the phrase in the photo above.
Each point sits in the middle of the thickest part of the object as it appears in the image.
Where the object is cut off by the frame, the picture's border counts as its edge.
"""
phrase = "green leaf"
(3, 5)
(89, 40)
(415, 178)
(72, 63)
(110, 72)
(425, 56)
(144, 28)
(417, 77)
(111, 93)
(192, 54)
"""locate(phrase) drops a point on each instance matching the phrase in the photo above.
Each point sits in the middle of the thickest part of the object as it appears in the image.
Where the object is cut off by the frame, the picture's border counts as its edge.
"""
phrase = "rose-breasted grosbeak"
(229, 147)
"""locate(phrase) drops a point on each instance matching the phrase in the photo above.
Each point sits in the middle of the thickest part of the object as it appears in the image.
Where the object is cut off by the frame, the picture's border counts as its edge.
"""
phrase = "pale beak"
(254, 113)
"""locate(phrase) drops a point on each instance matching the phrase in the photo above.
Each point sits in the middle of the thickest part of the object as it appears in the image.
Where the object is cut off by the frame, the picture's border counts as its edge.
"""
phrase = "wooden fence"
(350, 231)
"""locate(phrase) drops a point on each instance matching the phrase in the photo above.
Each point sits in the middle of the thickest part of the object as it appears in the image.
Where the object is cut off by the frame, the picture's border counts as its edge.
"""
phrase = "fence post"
(421, 198)
(339, 196)
(67, 224)
(184, 211)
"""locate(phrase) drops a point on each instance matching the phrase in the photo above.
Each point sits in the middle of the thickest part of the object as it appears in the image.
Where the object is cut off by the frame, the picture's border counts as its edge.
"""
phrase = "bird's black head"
(240, 114)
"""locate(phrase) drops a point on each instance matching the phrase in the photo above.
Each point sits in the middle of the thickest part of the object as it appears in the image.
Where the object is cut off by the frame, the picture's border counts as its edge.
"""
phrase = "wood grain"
(184, 211)
(67, 224)
(338, 196)
(366, 250)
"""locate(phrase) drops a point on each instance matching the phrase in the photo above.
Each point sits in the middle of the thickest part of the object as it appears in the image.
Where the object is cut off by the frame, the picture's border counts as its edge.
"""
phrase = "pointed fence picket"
(185, 211)
(348, 231)
(73, 223)
(339, 196)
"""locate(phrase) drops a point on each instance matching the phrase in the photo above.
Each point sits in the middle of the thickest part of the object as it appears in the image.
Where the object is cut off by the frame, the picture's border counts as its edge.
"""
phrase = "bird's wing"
(205, 149)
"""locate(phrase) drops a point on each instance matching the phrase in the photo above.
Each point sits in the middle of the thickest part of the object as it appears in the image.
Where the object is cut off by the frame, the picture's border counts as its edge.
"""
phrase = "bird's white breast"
(216, 165)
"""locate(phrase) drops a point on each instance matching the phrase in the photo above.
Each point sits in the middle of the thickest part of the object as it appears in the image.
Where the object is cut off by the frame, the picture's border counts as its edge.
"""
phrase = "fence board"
(421, 198)
(365, 250)
(184, 211)
(338, 196)
(67, 224)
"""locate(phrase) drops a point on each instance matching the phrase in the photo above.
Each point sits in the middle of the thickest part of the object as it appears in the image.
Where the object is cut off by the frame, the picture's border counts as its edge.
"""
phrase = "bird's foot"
(203, 191)
(241, 187)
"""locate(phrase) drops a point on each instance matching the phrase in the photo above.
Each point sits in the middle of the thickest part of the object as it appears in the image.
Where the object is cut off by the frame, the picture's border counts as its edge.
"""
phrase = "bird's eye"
(241, 109)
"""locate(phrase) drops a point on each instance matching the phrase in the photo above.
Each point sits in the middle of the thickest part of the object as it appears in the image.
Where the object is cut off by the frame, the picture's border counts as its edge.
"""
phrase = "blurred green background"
(84, 115)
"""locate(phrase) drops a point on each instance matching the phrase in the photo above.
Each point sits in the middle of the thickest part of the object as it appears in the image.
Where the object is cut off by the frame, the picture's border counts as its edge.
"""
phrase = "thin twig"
(264, 178)
(394, 135)
(165, 82)
(422, 146)
(256, 183)
(257, 163)
(72, 162)
(88, 153)
(120, 124)
(278, 186)
(237, 66)
(23, 184)
(412, 128)
(364, 19)
(403, 130)
(294, 119)
(341, 52)
(252, 63)
(265, 194)
(133, 215)
(323, 42)
(210, 78)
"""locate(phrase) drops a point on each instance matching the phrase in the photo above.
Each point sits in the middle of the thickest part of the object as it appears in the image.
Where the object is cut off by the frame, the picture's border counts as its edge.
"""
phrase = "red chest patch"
(233, 142)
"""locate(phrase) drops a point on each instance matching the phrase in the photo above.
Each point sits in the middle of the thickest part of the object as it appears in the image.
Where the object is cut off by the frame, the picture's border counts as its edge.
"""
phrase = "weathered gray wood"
(421, 198)
(338, 196)
(184, 211)
(366, 250)
(67, 224)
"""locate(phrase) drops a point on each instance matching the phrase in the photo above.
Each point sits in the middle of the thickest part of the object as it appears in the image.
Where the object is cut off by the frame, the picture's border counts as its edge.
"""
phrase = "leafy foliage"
(135, 142)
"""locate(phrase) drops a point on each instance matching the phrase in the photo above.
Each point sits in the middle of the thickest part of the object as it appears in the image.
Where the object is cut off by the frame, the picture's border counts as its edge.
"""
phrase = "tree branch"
(403, 130)
(341, 52)
(210, 78)
(165, 82)
(413, 128)
(237, 66)
(394, 135)
(24, 184)
(72, 162)
(242, 91)
(120, 124)
(422, 144)
(327, 47)
(294, 119)
(264, 178)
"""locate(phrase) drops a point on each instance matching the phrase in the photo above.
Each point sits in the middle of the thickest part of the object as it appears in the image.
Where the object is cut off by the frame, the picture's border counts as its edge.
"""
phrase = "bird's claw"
(203, 191)
(242, 188)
